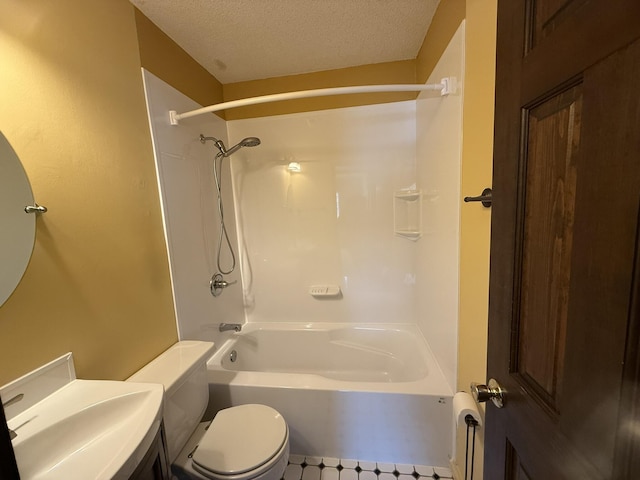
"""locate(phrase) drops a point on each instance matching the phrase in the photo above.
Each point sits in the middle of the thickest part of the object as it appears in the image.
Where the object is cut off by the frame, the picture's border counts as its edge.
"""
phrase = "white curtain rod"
(446, 86)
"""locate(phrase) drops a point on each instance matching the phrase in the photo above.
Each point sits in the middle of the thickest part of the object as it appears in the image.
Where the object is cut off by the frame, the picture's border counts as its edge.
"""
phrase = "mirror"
(17, 228)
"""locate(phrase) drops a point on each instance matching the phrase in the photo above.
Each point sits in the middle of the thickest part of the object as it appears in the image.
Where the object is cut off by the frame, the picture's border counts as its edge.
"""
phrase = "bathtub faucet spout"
(236, 327)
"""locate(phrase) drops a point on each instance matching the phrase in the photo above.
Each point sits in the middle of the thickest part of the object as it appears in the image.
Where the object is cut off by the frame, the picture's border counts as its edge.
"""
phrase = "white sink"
(88, 429)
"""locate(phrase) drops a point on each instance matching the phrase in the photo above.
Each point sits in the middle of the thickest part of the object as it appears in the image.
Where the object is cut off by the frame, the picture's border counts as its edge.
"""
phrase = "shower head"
(245, 142)
(250, 142)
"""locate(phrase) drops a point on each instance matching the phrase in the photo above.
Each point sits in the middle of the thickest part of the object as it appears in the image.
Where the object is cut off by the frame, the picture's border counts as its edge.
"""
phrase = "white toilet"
(247, 442)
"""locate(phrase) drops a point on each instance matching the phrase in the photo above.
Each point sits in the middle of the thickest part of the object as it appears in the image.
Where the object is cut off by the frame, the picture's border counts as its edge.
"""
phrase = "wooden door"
(565, 274)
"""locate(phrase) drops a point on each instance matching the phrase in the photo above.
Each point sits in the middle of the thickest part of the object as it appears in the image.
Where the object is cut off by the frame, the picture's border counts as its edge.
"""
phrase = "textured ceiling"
(239, 40)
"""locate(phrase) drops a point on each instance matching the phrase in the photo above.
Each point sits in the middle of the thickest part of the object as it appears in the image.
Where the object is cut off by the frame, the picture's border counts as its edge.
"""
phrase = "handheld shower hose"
(217, 170)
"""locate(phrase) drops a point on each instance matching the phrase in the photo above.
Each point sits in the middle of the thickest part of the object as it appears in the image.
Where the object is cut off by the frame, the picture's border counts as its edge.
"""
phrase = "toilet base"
(182, 467)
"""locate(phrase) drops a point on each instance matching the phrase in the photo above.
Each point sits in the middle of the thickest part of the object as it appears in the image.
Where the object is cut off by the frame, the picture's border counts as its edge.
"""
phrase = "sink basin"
(88, 429)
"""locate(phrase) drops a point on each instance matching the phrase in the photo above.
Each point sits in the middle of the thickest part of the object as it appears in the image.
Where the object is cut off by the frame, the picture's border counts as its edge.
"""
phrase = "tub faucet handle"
(218, 283)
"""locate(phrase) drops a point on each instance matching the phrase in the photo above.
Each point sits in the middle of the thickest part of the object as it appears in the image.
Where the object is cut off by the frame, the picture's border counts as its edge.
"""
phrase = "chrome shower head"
(250, 142)
(245, 142)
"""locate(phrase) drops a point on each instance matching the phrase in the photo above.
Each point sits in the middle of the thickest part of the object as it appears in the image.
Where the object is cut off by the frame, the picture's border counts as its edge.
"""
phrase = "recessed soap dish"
(324, 291)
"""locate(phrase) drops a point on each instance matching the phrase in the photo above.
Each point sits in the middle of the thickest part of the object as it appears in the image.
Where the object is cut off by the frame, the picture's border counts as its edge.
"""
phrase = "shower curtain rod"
(446, 86)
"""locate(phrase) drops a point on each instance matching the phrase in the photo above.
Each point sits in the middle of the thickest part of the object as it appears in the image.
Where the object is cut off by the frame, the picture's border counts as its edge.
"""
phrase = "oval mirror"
(18, 228)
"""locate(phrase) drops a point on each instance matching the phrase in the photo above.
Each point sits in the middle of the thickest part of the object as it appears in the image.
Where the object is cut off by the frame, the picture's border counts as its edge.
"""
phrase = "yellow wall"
(475, 226)
(166, 60)
(72, 106)
(444, 25)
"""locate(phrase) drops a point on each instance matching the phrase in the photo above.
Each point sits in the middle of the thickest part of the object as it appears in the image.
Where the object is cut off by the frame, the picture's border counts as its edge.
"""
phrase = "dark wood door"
(564, 294)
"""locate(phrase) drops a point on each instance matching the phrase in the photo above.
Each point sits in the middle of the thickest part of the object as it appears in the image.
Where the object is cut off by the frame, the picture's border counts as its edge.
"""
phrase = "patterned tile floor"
(326, 468)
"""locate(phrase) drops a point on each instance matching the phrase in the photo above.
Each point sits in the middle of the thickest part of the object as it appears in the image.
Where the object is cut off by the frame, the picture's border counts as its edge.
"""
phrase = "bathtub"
(352, 391)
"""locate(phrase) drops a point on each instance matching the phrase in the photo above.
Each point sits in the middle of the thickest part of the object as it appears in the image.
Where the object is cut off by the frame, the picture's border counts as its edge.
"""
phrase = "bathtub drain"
(233, 355)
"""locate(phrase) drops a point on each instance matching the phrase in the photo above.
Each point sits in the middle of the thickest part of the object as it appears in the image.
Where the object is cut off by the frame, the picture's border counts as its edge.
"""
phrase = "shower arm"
(446, 86)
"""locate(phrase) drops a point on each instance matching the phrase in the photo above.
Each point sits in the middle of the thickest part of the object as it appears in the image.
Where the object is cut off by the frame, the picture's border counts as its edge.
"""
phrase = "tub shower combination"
(367, 392)
(370, 392)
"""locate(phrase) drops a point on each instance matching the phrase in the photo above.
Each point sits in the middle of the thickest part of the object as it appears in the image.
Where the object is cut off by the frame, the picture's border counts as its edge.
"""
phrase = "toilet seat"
(241, 440)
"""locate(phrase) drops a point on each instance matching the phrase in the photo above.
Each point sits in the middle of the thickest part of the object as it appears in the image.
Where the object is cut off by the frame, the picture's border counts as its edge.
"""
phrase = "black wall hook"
(485, 198)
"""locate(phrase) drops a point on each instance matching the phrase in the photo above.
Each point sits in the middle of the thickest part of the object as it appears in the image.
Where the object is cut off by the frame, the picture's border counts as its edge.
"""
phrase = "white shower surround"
(332, 223)
(188, 198)
(438, 174)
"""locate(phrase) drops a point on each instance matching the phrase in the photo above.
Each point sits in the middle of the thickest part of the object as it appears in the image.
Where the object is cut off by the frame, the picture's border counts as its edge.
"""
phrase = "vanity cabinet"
(155, 464)
(8, 466)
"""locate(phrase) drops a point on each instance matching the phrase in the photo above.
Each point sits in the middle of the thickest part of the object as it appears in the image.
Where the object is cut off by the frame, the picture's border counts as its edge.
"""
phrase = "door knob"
(493, 391)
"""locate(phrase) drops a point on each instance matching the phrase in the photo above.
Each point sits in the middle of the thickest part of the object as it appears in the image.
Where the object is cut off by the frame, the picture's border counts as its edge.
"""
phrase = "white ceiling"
(239, 40)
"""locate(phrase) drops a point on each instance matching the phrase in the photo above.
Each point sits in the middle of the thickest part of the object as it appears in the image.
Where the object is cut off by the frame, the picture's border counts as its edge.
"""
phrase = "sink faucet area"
(70, 428)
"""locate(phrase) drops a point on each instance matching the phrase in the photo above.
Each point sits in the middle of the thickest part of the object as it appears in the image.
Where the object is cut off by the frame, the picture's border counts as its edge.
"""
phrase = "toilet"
(246, 442)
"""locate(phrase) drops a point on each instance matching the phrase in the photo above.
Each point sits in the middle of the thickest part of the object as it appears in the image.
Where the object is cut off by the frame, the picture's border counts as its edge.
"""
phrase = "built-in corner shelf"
(407, 214)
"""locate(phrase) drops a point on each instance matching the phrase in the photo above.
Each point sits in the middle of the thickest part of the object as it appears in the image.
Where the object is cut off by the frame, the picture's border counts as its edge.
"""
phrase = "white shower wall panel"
(331, 223)
(439, 140)
(185, 176)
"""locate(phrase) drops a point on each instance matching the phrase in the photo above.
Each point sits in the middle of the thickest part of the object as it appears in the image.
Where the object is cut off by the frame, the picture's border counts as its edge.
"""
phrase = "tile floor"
(325, 468)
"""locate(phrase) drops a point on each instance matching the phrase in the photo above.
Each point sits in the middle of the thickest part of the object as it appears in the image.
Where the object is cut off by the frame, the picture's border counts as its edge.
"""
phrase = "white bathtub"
(366, 392)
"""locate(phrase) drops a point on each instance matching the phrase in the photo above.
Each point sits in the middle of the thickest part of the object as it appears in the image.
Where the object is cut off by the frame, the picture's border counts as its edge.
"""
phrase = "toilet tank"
(182, 369)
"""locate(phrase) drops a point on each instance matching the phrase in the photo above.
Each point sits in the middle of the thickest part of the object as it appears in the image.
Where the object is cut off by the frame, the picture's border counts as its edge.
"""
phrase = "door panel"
(562, 328)
(551, 140)
(589, 34)
(603, 262)
(627, 459)
(545, 16)
(515, 470)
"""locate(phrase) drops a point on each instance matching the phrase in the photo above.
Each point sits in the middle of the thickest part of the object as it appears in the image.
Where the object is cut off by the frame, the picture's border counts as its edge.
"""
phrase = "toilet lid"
(241, 439)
